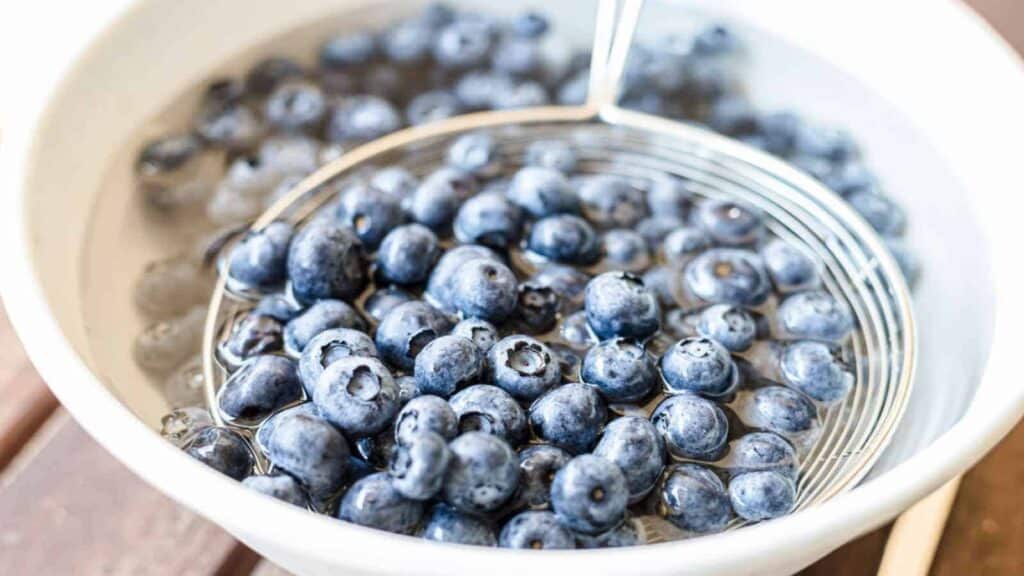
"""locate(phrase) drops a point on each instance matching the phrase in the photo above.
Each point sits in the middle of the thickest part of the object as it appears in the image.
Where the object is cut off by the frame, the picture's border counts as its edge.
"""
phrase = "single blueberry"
(729, 223)
(589, 495)
(625, 534)
(733, 116)
(815, 315)
(564, 238)
(268, 426)
(432, 106)
(570, 417)
(522, 95)
(655, 229)
(377, 450)
(417, 467)
(328, 347)
(693, 498)
(612, 201)
(517, 56)
(715, 40)
(308, 448)
(781, 410)
(407, 42)
(523, 367)
(260, 385)
(884, 215)
(790, 267)
(323, 315)
(406, 330)
(759, 451)
(662, 282)
(538, 465)
(536, 308)
(482, 475)
(267, 75)
(553, 154)
(618, 304)
(536, 530)
(280, 486)
(542, 192)
(480, 332)
(669, 196)
(762, 495)
(632, 444)
(394, 180)
(383, 300)
(369, 212)
(373, 501)
(446, 524)
(848, 178)
(357, 394)
(620, 369)
(222, 449)
(568, 282)
(182, 424)
(407, 254)
(437, 199)
(277, 306)
(439, 286)
(489, 409)
(778, 131)
(423, 414)
(625, 250)
(362, 117)
(295, 105)
(476, 153)
(484, 289)
(254, 334)
(815, 369)
(464, 43)
(693, 427)
(728, 276)
(325, 261)
(166, 155)
(530, 25)
(731, 326)
(448, 364)
(489, 219)
(348, 50)
(477, 89)
(235, 127)
(684, 243)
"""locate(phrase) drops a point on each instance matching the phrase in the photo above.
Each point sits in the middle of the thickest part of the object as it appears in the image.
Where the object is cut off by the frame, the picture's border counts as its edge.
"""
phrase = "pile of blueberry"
(502, 351)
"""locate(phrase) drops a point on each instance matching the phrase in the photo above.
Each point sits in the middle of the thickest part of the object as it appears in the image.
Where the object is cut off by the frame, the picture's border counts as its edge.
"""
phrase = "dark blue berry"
(538, 465)
(729, 223)
(280, 486)
(323, 315)
(693, 498)
(476, 153)
(349, 50)
(328, 347)
(418, 466)
(326, 261)
(693, 427)
(369, 212)
(589, 495)
(446, 524)
(465, 43)
(516, 56)
(423, 414)
(437, 199)
(728, 276)
(781, 410)
(618, 304)
(815, 315)
(235, 127)
(731, 326)
(684, 243)
(308, 448)
(432, 106)
(448, 364)
(166, 155)
(570, 417)
(625, 534)
(362, 117)
(374, 502)
(480, 332)
(523, 367)
(815, 369)
(625, 250)
(482, 474)
(258, 261)
(407, 254)
(406, 330)
(394, 180)
(568, 282)
(612, 201)
(260, 385)
(489, 409)
(762, 495)
(484, 289)
(655, 229)
(536, 308)
(222, 449)
(632, 444)
(760, 451)
(278, 307)
(668, 195)
(478, 89)
(253, 335)
(535, 530)
(884, 215)
(357, 394)
(530, 25)
(489, 219)
(522, 95)
(699, 365)
(439, 287)
(295, 105)
(381, 301)
(542, 192)
(564, 238)
(620, 369)
(268, 74)
(789, 267)
(407, 42)
(554, 154)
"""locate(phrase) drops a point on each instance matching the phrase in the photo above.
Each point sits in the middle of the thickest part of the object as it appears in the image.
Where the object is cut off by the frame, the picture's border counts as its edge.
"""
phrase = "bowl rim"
(875, 501)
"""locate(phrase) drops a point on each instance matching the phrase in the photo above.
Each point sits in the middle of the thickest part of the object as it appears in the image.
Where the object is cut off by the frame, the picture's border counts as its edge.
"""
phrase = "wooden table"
(67, 507)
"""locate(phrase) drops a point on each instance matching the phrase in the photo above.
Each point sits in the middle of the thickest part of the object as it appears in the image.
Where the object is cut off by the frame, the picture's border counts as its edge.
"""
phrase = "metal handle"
(613, 36)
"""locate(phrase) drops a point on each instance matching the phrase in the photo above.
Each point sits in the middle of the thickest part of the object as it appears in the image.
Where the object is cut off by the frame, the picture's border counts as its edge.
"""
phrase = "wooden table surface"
(67, 507)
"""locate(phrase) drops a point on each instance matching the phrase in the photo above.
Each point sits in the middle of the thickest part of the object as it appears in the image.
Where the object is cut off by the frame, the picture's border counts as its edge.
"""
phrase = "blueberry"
(280, 486)
(620, 369)
(407, 254)
(789, 267)
(522, 95)
(567, 282)
(374, 502)
(166, 155)
(693, 427)
(779, 132)
(407, 42)
(530, 25)
(442, 279)
(377, 450)
(222, 449)
(655, 229)
(482, 475)
(848, 178)
(618, 304)
(484, 289)
(828, 143)
(448, 364)
(423, 414)
(357, 394)
(480, 332)
(260, 385)
(432, 106)
(446, 524)
(781, 410)
(625, 250)
(625, 534)
(269, 73)
(762, 495)
(349, 50)
(417, 467)
(905, 259)
(632, 443)
(290, 155)
(815, 315)
(553, 154)
(394, 180)
(268, 426)
(682, 244)
(731, 326)
(536, 308)
(542, 192)
(465, 43)
(489, 409)
(476, 153)
(729, 223)
(516, 56)
(406, 330)
(438, 198)
(612, 201)
(369, 212)
(759, 451)
(564, 238)
(383, 300)
(816, 370)
(693, 498)
(295, 105)
(258, 261)
(235, 127)
(537, 530)
(478, 89)
(733, 116)
(254, 334)
(362, 117)
(538, 465)
(669, 195)
(569, 417)
(523, 367)
(328, 347)
(884, 215)
(224, 91)
(308, 448)
(589, 495)
(728, 276)
(325, 261)
(489, 219)
(662, 281)
(323, 315)
(182, 424)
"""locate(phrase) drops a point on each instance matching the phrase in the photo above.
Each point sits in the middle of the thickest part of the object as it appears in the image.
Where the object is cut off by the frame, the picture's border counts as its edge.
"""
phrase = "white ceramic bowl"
(939, 112)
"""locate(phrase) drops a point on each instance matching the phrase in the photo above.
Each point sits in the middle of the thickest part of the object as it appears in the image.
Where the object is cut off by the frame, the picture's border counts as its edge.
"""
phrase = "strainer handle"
(613, 36)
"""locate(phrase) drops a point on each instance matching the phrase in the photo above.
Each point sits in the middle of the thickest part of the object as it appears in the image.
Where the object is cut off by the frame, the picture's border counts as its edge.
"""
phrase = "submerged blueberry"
(326, 261)
(564, 238)
(815, 369)
(790, 267)
(554, 154)
(781, 410)
(280, 486)
(612, 201)
(323, 315)
(258, 261)
(698, 365)
(447, 364)
(570, 417)
(762, 495)
(758, 451)
(542, 192)
(486, 408)
(693, 498)
(731, 326)
(260, 385)
(728, 276)
(620, 369)
(536, 530)
(632, 443)
(406, 330)
(523, 367)
(815, 315)
(446, 524)
(437, 199)
(253, 335)
(482, 474)
(618, 304)
(308, 448)
(374, 502)
(489, 219)
(692, 427)
(589, 495)
(538, 465)
(357, 394)
(222, 449)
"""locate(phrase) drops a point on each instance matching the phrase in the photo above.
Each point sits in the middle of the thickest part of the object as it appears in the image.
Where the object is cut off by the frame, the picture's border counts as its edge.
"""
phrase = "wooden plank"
(70, 508)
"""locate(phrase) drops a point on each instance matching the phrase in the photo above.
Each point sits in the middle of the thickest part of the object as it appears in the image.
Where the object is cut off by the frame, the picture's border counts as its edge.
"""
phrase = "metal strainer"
(856, 267)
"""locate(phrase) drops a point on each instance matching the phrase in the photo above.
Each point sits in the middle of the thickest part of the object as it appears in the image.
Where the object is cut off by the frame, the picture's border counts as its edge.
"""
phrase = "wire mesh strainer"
(856, 268)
